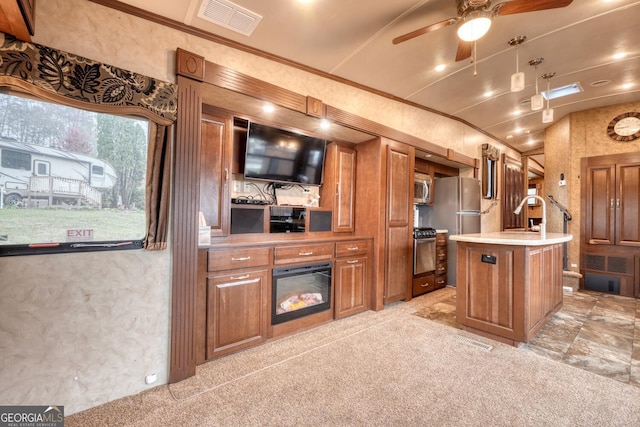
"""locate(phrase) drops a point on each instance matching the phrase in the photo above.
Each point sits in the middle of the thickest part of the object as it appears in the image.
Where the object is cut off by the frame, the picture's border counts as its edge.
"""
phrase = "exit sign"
(79, 235)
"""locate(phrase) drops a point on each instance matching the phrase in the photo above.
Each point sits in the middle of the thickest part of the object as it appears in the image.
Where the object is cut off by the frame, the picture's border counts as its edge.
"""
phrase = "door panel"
(628, 205)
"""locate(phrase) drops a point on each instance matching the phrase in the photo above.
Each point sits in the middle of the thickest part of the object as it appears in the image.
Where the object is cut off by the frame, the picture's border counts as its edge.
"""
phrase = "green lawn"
(24, 226)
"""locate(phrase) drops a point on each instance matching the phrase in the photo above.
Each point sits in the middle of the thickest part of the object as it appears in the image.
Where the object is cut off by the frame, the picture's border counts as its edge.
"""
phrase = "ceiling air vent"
(229, 15)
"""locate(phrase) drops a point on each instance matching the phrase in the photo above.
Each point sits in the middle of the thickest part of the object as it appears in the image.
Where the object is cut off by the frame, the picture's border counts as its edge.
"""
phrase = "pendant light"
(547, 115)
(517, 79)
(537, 100)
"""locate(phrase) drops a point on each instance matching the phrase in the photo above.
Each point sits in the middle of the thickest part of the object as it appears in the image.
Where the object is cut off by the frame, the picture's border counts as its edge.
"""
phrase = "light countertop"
(521, 238)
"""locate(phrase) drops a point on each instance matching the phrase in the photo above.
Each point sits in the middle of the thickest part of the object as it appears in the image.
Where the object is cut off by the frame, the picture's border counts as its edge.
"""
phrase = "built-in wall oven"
(424, 250)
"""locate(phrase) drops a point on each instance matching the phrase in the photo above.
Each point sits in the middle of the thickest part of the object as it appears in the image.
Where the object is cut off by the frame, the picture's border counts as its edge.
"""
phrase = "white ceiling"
(352, 39)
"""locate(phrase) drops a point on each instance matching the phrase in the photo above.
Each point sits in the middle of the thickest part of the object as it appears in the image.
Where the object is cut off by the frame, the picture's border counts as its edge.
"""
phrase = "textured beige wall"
(581, 134)
(80, 330)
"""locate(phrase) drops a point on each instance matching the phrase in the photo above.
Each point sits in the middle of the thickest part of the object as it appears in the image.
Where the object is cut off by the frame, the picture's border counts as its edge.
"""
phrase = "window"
(70, 179)
(15, 160)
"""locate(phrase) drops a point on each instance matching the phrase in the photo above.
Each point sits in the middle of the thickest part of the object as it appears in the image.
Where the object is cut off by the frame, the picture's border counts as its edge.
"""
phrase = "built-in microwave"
(422, 183)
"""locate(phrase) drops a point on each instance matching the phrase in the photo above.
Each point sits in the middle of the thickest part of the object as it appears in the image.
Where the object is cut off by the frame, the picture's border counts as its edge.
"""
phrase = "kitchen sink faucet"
(543, 224)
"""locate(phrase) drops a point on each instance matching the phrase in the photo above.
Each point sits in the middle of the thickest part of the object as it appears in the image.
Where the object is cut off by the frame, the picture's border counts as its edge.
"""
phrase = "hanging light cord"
(475, 58)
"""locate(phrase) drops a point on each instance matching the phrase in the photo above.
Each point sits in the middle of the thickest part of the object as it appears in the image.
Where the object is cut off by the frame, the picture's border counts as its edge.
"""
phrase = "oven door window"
(424, 255)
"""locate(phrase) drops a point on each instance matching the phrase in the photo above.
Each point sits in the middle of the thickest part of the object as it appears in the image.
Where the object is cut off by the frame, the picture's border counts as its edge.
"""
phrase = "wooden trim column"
(186, 191)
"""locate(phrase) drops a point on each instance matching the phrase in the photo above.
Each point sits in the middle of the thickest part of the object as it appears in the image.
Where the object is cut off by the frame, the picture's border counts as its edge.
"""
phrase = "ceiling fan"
(475, 16)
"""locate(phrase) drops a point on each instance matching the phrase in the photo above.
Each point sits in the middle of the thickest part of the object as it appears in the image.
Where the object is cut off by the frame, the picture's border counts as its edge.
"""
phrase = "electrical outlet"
(151, 378)
(237, 186)
(247, 187)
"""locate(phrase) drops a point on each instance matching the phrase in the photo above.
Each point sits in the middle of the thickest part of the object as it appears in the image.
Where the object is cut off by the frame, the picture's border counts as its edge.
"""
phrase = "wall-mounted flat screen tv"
(278, 155)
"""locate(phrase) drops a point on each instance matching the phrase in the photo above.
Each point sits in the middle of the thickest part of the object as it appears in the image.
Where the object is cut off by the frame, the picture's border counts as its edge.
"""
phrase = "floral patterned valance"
(85, 80)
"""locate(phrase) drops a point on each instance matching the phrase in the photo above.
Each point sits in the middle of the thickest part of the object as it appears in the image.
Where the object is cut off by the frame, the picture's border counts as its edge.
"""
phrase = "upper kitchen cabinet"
(215, 170)
(385, 180)
(17, 17)
(338, 189)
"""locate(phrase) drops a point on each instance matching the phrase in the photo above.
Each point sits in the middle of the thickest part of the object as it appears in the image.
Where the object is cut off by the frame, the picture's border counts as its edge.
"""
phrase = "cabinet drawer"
(227, 259)
(302, 253)
(423, 284)
(441, 253)
(441, 268)
(440, 281)
(356, 247)
(441, 239)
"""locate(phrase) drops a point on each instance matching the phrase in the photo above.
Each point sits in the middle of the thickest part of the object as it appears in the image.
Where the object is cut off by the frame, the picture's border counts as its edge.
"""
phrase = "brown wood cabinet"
(215, 169)
(610, 224)
(17, 17)
(237, 286)
(385, 180)
(237, 311)
(509, 296)
(338, 189)
(350, 278)
(440, 280)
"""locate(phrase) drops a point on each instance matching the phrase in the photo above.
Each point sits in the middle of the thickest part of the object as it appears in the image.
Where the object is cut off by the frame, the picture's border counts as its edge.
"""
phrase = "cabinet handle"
(244, 258)
(424, 285)
(617, 203)
(228, 285)
(352, 261)
(355, 248)
(611, 203)
(226, 175)
(440, 268)
(305, 253)
(240, 277)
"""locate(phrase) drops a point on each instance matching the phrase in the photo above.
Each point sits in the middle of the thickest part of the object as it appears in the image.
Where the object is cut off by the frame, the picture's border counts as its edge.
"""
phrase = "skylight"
(561, 91)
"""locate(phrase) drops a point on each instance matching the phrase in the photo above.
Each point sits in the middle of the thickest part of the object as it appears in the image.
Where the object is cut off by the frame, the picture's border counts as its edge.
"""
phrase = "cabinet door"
(600, 204)
(236, 312)
(350, 280)
(214, 173)
(628, 205)
(345, 189)
(398, 269)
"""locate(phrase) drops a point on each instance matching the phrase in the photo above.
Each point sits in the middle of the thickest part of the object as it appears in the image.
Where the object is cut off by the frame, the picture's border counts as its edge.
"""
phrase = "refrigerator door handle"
(468, 213)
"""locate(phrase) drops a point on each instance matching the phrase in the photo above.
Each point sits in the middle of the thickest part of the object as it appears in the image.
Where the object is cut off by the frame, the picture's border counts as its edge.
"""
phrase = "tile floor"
(593, 331)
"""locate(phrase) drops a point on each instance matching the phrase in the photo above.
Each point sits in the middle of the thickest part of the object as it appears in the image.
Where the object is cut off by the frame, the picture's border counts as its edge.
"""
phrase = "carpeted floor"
(388, 368)
(594, 331)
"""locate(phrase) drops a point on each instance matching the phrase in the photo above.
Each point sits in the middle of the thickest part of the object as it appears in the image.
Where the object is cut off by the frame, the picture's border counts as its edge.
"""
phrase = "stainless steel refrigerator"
(456, 208)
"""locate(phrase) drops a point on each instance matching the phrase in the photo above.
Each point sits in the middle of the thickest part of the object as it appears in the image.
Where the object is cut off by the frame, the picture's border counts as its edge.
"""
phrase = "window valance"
(84, 80)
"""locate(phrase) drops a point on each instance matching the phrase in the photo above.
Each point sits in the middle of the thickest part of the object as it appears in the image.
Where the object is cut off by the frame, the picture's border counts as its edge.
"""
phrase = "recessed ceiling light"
(325, 124)
(509, 136)
(488, 94)
(440, 67)
(517, 112)
(627, 86)
(619, 55)
(268, 108)
(561, 91)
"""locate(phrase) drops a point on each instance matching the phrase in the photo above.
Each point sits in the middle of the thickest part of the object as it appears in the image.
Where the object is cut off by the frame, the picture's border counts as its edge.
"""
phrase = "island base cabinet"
(236, 311)
(507, 293)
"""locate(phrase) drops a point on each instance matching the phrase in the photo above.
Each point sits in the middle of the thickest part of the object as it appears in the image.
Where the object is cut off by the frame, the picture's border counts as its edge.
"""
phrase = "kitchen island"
(508, 283)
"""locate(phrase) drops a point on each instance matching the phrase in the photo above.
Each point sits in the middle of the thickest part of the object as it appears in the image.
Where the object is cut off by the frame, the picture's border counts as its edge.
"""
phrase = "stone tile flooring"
(593, 331)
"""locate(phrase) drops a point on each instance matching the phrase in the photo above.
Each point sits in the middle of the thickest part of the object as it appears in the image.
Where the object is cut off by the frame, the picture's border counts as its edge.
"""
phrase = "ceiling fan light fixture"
(474, 25)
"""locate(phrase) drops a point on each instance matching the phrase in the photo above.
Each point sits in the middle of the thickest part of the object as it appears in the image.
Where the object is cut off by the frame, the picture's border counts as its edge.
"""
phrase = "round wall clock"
(625, 127)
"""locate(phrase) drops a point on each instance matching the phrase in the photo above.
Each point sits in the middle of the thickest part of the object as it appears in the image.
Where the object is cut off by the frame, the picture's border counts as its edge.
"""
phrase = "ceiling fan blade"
(425, 30)
(464, 50)
(522, 6)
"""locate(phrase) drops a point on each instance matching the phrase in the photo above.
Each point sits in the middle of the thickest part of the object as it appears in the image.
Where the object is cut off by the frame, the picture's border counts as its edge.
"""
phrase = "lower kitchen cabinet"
(236, 311)
(350, 272)
(350, 283)
(440, 280)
